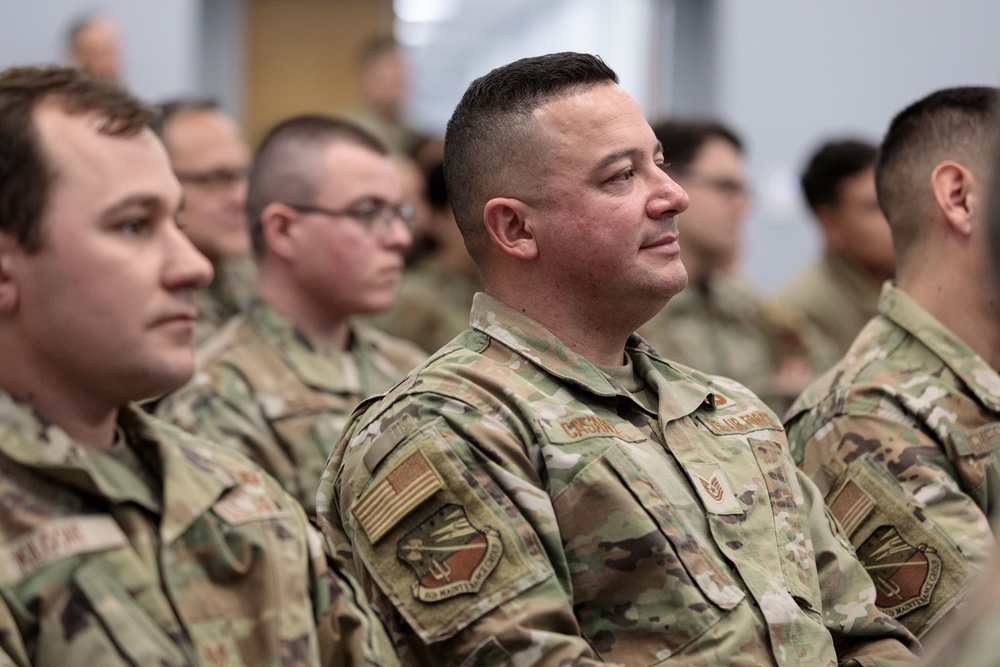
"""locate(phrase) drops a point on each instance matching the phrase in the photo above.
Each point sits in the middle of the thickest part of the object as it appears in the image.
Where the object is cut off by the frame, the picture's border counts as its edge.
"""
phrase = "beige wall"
(300, 56)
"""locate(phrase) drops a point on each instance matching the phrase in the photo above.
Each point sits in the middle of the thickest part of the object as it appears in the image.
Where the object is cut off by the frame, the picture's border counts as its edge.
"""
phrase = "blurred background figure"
(210, 159)
(838, 292)
(435, 295)
(329, 230)
(719, 324)
(383, 87)
(93, 43)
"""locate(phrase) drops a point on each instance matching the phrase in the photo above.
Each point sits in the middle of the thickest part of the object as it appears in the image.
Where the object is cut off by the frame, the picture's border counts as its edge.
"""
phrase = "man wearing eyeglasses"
(329, 226)
(718, 324)
(210, 160)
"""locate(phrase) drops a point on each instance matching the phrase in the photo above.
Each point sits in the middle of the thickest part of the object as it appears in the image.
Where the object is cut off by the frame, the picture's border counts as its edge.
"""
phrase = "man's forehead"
(590, 113)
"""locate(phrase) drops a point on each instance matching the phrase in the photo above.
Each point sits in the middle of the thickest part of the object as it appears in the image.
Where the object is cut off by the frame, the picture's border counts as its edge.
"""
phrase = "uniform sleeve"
(862, 634)
(900, 500)
(232, 417)
(474, 572)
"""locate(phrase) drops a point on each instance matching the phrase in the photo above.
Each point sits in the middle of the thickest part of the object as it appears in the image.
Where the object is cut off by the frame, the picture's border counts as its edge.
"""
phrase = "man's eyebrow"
(142, 201)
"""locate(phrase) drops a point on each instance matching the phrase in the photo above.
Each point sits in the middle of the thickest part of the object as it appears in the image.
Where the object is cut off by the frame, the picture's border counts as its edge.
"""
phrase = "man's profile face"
(605, 224)
(344, 268)
(716, 181)
(210, 160)
(857, 228)
(104, 306)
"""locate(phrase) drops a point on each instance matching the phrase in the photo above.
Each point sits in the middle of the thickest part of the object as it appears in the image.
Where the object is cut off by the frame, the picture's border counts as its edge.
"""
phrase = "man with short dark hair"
(93, 44)
(719, 324)
(838, 293)
(329, 227)
(211, 160)
(124, 541)
(901, 435)
(547, 489)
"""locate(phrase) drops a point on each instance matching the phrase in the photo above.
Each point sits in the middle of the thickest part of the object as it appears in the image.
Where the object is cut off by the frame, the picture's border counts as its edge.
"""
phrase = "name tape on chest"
(741, 423)
(407, 485)
(248, 503)
(56, 540)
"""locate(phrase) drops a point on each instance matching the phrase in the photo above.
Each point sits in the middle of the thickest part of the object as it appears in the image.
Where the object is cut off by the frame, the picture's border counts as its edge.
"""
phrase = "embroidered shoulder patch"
(385, 504)
(449, 555)
(905, 575)
(851, 505)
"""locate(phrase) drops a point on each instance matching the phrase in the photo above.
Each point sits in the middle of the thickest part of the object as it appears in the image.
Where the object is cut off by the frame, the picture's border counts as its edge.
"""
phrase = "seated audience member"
(93, 44)
(719, 324)
(210, 159)
(900, 434)
(435, 295)
(124, 541)
(329, 228)
(838, 293)
(547, 489)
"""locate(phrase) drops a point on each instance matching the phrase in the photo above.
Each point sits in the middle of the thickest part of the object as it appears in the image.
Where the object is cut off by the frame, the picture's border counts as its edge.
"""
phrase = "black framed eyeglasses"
(375, 217)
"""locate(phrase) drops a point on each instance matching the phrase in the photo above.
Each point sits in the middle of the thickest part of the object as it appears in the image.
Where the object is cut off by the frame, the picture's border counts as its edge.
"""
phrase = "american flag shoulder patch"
(412, 481)
(851, 505)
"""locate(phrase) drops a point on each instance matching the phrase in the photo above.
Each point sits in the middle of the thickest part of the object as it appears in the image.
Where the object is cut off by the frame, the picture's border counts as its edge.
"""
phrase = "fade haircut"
(489, 142)
(951, 124)
(284, 169)
(830, 164)
(26, 175)
(682, 139)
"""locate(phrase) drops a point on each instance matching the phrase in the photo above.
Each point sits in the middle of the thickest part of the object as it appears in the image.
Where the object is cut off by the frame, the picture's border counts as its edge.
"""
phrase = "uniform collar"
(318, 366)
(680, 394)
(982, 380)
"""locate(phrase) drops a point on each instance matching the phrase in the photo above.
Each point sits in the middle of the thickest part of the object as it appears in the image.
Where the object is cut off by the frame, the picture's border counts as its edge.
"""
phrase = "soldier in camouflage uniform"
(719, 324)
(838, 293)
(329, 235)
(124, 541)
(210, 160)
(900, 435)
(549, 490)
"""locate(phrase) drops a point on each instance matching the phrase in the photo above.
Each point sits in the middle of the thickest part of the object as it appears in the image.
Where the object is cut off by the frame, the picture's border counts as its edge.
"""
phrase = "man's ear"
(509, 224)
(277, 224)
(953, 189)
(9, 249)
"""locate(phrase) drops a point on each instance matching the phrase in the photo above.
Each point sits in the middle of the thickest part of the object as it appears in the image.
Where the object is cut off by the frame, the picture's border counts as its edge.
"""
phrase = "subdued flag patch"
(851, 506)
(410, 483)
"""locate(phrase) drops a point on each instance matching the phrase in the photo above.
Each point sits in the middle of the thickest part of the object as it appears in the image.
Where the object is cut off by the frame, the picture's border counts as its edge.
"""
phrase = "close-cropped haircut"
(285, 166)
(180, 105)
(682, 138)
(951, 124)
(830, 164)
(26, 176)
(489, 139)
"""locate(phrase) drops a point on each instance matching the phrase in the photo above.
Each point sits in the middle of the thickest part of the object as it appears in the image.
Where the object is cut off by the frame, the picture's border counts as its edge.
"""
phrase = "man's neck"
(320, 325)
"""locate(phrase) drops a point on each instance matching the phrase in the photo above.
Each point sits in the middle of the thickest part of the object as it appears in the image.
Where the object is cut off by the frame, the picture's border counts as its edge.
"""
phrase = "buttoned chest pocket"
(637, 569)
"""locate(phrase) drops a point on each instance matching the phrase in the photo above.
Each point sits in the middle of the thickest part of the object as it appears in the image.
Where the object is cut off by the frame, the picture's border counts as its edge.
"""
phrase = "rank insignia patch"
(905, 575)
(449, 555)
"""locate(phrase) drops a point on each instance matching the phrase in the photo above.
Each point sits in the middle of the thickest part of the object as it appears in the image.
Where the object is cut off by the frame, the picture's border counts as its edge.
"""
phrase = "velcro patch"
(905, 574)
(58, 539)
(716, 493)
(449, 555)
(400, 492)
(248, 503)
(851, 506)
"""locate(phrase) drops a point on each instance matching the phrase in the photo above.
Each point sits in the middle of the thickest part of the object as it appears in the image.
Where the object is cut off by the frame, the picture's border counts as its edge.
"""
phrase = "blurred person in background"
(123, 540)
(719, 324)
(436, 293)
(901, 435)
(329, 227)
(838, 293)
(383, 80)
(93, 43)
(211, 160)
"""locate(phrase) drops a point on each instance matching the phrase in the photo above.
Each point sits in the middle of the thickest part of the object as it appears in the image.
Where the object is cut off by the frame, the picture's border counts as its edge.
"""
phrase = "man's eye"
(625, 175)
(133, 227)
(663, 166)
(368, 214)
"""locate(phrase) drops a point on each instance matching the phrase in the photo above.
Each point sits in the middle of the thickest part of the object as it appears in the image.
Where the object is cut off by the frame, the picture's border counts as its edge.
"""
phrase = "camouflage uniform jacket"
(225, 297)
(835, 298)
(191, 557)
(265, 389)
(900, 437)
(508, 504)
(432, 305)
